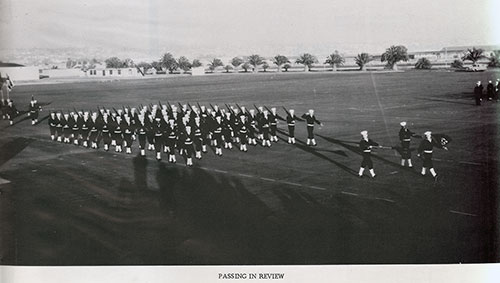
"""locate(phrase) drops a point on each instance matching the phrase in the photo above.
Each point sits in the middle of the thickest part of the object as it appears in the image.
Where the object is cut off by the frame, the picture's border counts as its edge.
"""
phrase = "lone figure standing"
(478, 93)
(366, 145)
(425, 150)
(310, 120)
(405, 136)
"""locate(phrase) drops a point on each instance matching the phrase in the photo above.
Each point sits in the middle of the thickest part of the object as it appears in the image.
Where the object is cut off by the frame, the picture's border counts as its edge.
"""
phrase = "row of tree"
(392, 56)
(472, 54)
(254, 62)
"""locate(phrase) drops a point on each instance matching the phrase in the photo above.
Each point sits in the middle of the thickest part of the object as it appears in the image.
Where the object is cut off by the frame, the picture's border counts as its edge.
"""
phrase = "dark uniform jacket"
(490, 89)
(426, 146)
(365, 146)
(53, 121)
(290, 120)
(11, 111)
(33, 108)
(273, 119)
(405, 134)
(310, 119)
(478, 91)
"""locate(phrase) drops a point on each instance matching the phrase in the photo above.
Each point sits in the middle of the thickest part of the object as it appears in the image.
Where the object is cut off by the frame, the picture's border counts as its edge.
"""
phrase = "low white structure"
(198, 71)
(62, 73)
(113, 72)
(21, 73)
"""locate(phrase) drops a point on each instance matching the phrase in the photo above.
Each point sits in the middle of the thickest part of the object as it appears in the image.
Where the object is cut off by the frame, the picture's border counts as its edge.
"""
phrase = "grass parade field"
(289, 204)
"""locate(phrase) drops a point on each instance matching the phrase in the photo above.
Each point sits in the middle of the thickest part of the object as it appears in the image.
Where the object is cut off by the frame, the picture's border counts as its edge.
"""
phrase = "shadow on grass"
(445, 101)
(223, 219)
(21, 120)
(355, 149)
(43, 119)
(140, 164)
(12, 148)
(312, 150)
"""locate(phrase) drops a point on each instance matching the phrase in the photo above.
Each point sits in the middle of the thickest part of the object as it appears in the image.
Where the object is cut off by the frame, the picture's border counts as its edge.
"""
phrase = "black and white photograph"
(233, 140)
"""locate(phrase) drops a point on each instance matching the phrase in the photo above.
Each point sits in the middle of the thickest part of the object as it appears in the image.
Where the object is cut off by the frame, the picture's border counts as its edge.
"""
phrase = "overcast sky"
(235, 27)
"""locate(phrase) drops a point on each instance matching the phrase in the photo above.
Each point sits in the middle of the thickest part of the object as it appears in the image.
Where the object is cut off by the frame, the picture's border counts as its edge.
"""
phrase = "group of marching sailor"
(186, 129)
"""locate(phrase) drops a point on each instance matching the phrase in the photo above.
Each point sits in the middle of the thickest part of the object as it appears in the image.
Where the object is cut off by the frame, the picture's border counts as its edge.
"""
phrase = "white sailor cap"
(428, 133)
(403, 124)
(478, 82)
(364, 133)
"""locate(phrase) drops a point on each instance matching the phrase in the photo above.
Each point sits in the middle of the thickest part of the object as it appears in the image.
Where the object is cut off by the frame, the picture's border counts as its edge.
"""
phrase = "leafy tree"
(227, 68)
(128, 63)
(265, 66)
(457, 64)
(393, 55)
(495, 59)
(216, 62)
(114, 62)
(146, 66)
(91, 64)
(196, 63)
(168, 62)
(286, 67)
(423, 63)
(184, 64)
(335, 60)
(156, 65)
(280, 60)
(473, 55)
(363, 59)
(70, 63)
(236, 61)
(246, 66)
(255, 60)
(307, 60)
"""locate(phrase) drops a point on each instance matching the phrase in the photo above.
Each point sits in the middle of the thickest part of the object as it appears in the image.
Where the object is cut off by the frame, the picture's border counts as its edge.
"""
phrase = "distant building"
(113, 72)
(450, 54)
(459, 50)
(61, 73)
(198, 71)
(151, 71)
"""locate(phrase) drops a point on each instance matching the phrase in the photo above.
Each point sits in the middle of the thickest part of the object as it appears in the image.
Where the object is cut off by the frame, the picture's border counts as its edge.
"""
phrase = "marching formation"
(185, 130)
